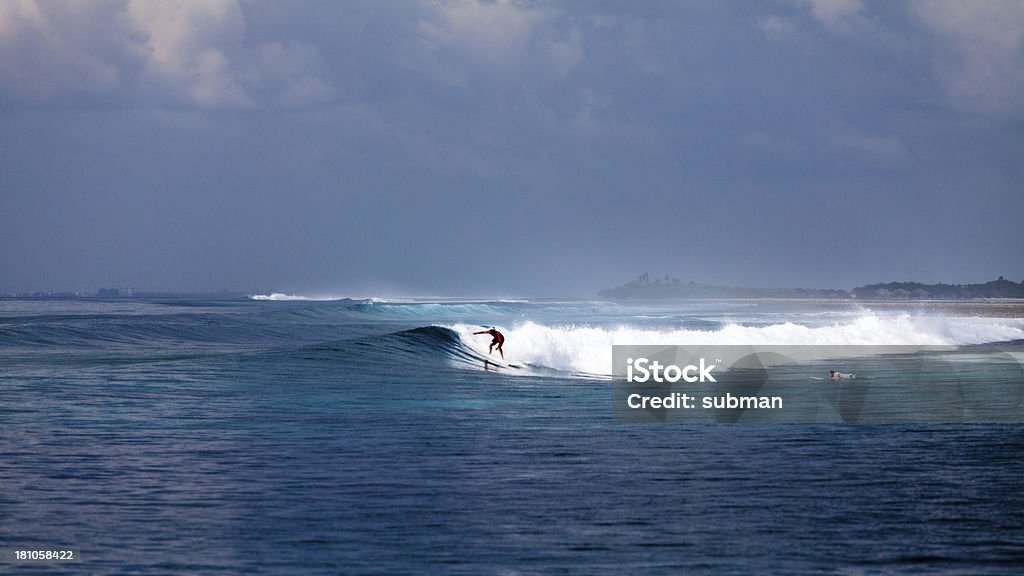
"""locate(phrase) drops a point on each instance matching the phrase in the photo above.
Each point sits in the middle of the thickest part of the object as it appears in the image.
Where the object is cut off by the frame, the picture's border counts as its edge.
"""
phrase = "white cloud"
(292, 72)
(776, 27)
(187, 42)
(151, 52)
(982, 63)
(833, 13)
(212, 82)
(48, 50)
(495, 31)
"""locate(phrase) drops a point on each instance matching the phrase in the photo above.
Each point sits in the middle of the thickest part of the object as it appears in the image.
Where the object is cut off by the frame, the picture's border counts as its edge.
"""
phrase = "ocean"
(280, 435)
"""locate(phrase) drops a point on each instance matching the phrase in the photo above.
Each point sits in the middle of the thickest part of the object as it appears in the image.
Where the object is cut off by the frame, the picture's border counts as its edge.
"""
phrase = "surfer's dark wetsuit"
(498, 340)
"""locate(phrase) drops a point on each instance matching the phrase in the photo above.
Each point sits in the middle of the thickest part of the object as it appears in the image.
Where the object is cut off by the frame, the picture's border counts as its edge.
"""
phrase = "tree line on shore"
(644, 287)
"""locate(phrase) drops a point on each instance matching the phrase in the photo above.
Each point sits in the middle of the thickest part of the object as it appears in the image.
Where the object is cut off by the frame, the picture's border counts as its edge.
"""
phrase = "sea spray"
(588, 349)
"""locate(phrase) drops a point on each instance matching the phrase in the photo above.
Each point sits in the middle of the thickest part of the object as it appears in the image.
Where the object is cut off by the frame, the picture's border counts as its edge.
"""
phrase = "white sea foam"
(279, 297)
(586, 349)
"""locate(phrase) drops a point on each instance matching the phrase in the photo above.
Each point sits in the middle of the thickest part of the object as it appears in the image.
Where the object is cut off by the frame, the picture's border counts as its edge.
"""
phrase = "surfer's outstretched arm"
(480, 332)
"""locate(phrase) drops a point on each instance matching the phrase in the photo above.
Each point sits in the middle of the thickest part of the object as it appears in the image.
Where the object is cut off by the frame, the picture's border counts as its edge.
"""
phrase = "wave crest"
(281, 297)
(588, 350)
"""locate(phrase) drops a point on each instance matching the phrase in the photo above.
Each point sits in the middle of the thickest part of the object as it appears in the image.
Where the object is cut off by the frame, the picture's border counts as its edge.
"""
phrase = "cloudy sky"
(508, 147)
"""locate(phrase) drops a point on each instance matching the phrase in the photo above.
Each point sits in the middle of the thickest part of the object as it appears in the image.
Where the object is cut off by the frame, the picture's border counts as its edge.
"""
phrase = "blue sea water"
(355, 436)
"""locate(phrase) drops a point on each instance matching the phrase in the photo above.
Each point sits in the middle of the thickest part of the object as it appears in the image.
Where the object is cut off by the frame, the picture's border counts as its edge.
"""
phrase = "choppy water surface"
(333, 437)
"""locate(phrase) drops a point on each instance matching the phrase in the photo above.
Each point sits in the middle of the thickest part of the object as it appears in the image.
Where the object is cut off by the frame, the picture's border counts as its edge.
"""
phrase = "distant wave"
(588, 350)
(279, 297)
(376, 308)
(443, 332)
(432, 309)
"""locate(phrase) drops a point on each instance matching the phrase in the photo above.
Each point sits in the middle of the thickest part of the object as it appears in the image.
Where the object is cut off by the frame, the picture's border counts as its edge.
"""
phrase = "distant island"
(646, 288)
(1000, 288)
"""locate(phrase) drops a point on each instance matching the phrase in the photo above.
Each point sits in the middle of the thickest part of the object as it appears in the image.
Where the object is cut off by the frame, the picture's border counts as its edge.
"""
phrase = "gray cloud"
(978, 52)
(515, 147)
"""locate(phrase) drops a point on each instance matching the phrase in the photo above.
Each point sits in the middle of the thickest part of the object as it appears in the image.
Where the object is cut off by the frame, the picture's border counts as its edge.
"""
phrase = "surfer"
(498, 339)
(833, 375)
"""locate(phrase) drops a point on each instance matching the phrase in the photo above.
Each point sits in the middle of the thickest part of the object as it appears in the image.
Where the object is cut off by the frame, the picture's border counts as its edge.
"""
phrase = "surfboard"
(501, 363)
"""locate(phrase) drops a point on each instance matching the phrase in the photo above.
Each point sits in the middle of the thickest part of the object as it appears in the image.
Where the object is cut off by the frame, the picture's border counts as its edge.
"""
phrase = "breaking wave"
(280, 297)
(588, 349)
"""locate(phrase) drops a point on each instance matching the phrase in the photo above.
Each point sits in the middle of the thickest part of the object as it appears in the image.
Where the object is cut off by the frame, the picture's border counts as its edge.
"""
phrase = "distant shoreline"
(61, 295)
(666, 288)
(642, 289)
